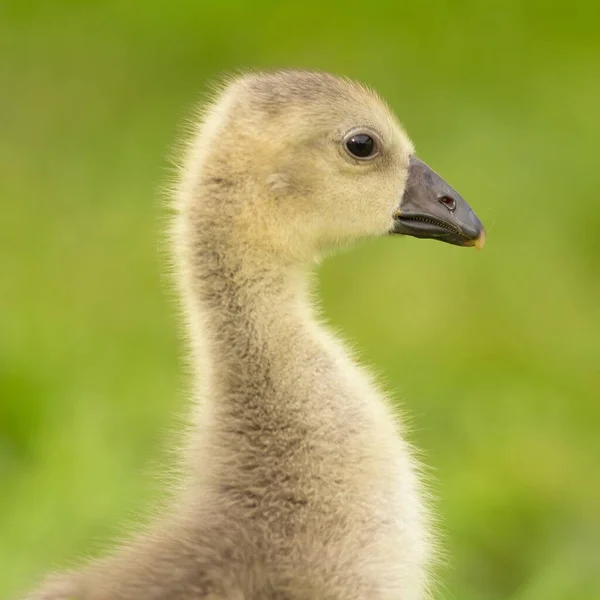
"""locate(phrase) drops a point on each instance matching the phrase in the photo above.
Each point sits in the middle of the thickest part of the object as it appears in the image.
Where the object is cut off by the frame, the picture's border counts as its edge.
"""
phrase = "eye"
(362, 145)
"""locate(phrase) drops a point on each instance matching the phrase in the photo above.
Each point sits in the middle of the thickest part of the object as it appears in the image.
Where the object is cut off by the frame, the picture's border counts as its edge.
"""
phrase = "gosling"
(297, 483)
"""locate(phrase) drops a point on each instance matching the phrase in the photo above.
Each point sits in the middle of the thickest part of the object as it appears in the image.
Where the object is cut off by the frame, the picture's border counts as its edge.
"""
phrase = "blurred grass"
(494, 354)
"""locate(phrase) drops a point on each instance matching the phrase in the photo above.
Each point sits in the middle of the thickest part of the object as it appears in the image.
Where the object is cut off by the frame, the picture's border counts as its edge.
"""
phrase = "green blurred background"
(493, 354)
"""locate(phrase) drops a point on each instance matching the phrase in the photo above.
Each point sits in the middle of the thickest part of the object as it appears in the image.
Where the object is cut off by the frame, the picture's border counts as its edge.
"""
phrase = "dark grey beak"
(430, 208)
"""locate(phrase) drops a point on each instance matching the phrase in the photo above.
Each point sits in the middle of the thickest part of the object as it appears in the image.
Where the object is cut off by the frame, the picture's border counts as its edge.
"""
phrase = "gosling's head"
(298, 162)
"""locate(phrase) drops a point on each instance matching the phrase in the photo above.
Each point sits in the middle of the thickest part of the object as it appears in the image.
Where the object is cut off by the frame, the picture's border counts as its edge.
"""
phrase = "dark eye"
(361, 145)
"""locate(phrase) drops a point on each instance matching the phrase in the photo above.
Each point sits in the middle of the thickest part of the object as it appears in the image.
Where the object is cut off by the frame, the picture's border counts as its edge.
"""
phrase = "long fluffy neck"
(241, 303)
(283, 413)
(256, 345)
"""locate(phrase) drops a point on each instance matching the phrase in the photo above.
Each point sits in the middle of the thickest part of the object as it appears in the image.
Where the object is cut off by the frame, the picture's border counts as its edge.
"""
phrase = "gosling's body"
(298, 484)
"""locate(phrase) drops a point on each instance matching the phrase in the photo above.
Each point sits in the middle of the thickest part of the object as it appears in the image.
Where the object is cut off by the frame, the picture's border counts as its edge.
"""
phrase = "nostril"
(448, 202)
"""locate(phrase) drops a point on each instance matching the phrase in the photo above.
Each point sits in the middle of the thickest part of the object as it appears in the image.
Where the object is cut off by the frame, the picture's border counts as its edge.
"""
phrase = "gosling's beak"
(430, 208)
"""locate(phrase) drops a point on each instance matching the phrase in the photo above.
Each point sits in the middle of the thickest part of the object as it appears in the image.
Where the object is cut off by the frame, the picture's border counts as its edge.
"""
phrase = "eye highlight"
(361, 145)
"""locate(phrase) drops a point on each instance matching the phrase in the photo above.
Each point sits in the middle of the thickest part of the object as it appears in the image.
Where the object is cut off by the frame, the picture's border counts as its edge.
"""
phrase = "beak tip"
(480, 240)
(478, 243)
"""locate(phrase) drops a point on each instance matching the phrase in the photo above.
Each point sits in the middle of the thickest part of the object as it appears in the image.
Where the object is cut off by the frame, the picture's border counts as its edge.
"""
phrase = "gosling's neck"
(249, 310)
(256, 354)
(273, 384)
(242, 296)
